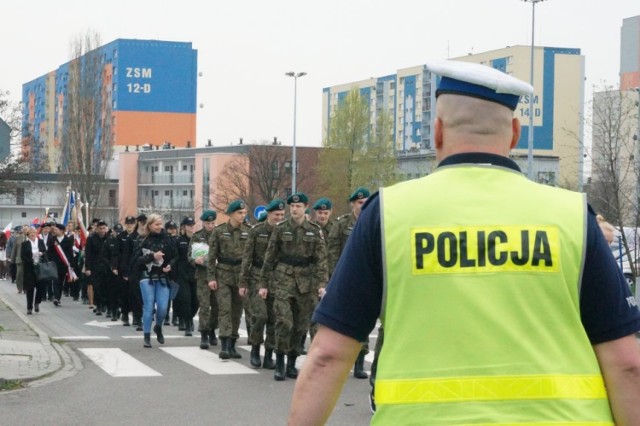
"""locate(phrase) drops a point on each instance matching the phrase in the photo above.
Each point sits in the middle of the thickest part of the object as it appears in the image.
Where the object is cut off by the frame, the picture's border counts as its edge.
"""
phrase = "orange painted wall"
(629, 80)
(155, 128)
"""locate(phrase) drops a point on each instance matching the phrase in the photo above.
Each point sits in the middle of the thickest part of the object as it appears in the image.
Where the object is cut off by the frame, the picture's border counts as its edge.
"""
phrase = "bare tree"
(87, 143)
(14, 163)
(261, 176)
(614, 190)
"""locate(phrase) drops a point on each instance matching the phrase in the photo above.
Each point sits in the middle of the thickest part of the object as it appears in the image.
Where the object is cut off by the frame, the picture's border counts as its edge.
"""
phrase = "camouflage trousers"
(292, 311)
(208, 312)
(262, 315)
(230, 303)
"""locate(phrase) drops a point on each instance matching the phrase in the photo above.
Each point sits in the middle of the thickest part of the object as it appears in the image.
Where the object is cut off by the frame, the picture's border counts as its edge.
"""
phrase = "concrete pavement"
(27, 354)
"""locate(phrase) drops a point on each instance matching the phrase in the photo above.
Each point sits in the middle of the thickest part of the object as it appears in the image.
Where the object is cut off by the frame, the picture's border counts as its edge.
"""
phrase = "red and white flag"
(7, 230)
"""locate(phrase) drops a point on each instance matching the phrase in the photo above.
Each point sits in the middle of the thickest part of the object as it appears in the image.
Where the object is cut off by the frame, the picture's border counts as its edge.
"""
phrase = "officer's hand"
(213, 285)
(115, 271)
(243, 291)
(125, 278)
(166, 268)
(263, 293)
(321, 292)
(199, 260)
(87, 273)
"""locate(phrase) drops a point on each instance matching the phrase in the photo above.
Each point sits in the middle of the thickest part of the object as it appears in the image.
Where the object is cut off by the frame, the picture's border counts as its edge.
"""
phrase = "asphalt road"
(119, 381)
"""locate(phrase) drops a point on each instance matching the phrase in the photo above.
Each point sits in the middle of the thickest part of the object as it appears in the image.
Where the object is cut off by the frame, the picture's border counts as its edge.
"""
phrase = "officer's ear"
(438, 133)
(516, 130)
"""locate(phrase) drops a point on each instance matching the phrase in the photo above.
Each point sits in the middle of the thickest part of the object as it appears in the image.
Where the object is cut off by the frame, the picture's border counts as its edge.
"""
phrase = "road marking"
(207, 361)
(72, 338)
(117, 363)
(102, 324)
(140, 336)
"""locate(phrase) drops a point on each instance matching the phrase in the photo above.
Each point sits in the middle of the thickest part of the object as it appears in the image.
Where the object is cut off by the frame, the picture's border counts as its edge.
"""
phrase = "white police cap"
(478, 81)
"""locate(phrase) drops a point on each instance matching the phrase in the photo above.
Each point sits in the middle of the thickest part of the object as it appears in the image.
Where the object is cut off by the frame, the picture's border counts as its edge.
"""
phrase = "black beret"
(187, 221)
(130, 219)
(60, 226)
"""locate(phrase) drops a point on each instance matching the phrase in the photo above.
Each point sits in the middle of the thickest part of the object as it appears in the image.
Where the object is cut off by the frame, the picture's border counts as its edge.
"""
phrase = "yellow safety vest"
(481, 304)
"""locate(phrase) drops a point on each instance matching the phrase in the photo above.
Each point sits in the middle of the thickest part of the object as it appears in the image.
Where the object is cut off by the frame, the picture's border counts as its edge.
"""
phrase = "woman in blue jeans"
(152, 260)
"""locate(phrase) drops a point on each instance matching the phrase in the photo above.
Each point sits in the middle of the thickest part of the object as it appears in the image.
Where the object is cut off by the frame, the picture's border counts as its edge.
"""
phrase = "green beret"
(275, 205)
(323, 204)
(298, 197)
(208, 215)
(236, 205)
(262, 216)
(359, 194)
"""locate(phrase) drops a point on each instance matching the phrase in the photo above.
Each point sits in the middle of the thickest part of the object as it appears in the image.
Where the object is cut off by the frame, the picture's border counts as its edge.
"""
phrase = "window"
(20, 196)
(185, 193)
(168, 168)
(167, 193)
(24, 214)
(112, 198)
(547, 178)
(275, 168)
(184, 168)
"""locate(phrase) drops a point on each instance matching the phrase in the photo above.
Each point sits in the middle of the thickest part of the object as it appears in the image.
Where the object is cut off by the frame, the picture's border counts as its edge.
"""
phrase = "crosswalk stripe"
(69, 338)
(207, 361)
(117, 363)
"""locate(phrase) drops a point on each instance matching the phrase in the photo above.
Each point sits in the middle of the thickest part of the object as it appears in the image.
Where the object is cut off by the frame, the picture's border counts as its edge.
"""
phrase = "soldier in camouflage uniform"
(323, 209)
(295, 267)
(208, 312)
(335, 244)
(261, 309)
(226, 246)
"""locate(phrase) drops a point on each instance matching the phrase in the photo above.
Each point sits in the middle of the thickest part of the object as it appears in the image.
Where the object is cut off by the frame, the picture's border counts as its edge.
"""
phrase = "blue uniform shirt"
(353, 299)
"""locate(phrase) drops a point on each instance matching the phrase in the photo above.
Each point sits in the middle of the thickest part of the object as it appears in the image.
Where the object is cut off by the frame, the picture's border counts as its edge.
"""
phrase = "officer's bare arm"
(620, 364)
(328, 363)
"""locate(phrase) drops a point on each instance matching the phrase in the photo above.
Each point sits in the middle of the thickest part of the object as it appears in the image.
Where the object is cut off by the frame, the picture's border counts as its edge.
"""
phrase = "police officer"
(226, 245)
(295, 267)
(252, 262)
(502, 302)
(335, 244)
(207, 300)
(185, 272)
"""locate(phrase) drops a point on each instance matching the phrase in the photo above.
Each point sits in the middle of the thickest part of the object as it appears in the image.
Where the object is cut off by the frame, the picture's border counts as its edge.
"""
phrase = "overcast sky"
(245, 47)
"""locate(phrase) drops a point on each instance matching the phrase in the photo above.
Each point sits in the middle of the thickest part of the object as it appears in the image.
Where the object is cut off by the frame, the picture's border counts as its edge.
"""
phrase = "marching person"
(226, 245)
(335, 244)
(118, 267)
(152, 260)
(97, 268)
(129, 271)
(185, 271)
(207, 300)
(261, 309)
(294, 270)
(60, 251)
(32, 249)
(502, 301)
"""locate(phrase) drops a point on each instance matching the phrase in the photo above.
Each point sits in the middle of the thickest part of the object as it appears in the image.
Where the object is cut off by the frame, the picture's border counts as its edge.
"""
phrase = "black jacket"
(144, 250)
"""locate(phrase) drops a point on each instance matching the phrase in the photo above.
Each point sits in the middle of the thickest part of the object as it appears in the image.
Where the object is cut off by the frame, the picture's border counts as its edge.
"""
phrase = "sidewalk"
(26, 352)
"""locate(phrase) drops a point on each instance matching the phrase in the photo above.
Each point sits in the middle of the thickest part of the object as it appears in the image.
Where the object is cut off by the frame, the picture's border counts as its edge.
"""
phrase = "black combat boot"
(158, 330)
(255, 356)
(301, 349)
(213, 340)
(204, 340)
(268, 360)
(232, 350)
(147, 340)
(278, 374)
(181, 326)
(358, 367)
(292, 371)
(188, 327)
(125, 319)
(174, 319)
(224, 351)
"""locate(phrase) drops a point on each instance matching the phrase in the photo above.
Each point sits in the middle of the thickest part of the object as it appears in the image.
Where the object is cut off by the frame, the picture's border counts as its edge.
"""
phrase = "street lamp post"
(530, 139)
(294, 164)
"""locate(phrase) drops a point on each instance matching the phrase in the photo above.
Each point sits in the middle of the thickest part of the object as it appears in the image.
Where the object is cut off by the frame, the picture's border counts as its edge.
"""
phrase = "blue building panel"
(153, 76)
